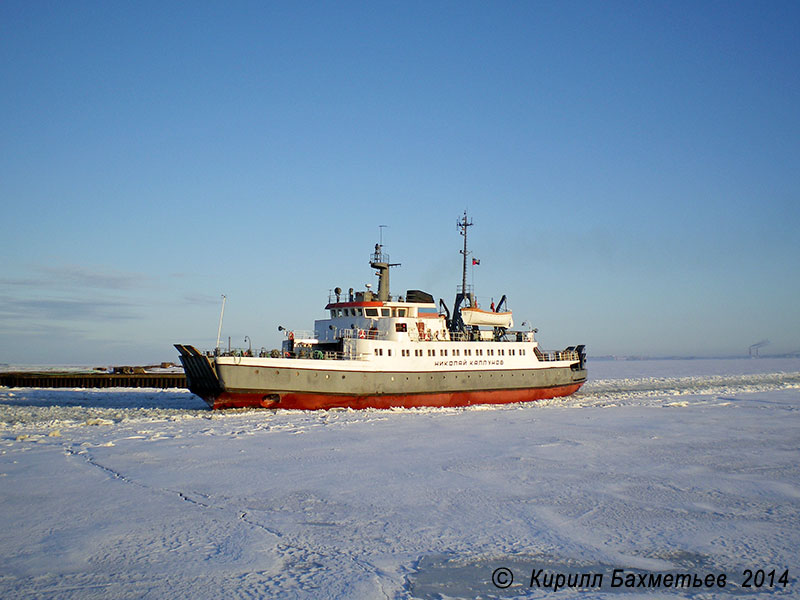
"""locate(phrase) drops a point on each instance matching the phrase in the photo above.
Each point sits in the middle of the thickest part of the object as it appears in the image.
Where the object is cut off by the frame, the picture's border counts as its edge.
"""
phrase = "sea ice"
(654, 467)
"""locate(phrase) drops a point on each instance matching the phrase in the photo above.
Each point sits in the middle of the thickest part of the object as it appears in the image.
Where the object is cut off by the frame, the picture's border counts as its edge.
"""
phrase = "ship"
(375, 350)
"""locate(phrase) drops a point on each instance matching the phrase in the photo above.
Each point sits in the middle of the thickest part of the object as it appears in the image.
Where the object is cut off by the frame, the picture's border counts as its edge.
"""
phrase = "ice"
(653, 467)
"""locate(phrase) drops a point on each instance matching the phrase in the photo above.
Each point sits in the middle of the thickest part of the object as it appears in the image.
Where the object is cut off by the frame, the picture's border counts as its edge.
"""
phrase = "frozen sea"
(655, 470)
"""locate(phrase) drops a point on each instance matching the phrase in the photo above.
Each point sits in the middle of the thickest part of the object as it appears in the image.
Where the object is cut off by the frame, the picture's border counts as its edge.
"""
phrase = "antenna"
(380, 234)
(462, 225)
(219, 329)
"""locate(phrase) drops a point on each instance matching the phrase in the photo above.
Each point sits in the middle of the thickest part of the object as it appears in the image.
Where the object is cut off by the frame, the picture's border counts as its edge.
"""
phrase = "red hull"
(310, 401)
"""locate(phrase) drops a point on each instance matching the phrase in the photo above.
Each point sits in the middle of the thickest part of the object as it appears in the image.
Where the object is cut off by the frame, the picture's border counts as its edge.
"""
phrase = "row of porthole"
(297, 373)
(419, 377)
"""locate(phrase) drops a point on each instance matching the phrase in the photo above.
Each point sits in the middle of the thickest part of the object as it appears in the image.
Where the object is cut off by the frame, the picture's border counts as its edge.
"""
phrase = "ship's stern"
(201, 374)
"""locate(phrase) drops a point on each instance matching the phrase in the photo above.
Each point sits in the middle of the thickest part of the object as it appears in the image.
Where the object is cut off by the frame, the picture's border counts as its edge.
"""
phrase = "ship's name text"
(497, 362)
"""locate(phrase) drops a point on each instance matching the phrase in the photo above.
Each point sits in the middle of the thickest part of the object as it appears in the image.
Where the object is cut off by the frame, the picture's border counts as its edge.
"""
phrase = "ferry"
(375, 350)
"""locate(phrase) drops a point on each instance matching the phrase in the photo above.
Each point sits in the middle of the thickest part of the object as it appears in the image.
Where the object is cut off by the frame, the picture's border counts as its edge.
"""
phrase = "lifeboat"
(476, 316)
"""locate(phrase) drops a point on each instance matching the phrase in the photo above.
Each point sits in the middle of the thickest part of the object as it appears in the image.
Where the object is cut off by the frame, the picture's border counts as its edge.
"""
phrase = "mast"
(380, 260)
(462, 295)
(219, 329)
(463, 224)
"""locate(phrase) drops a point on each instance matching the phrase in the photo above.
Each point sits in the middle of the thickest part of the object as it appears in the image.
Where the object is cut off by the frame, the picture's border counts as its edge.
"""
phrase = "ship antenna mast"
(221, 314)
(380, 260)
(462, 225)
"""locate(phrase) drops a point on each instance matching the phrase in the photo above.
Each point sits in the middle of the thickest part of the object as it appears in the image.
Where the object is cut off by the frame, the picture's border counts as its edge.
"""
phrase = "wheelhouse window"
(371, 312)
(386, 312)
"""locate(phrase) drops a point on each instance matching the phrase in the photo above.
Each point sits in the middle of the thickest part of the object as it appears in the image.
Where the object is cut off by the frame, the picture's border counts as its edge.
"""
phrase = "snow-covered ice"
(654, 467)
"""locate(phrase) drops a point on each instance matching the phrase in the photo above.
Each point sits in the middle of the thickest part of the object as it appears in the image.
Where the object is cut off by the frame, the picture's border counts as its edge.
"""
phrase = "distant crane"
(754, 348)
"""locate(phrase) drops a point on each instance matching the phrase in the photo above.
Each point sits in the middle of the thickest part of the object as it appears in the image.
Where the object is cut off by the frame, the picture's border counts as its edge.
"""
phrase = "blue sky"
(631, 169)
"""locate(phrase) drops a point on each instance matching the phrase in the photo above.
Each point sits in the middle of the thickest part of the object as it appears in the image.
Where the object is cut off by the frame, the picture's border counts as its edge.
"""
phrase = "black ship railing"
(298, 353)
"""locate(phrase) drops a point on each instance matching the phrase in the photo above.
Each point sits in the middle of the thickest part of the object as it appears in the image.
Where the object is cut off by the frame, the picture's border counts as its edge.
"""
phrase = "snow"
(654, 467)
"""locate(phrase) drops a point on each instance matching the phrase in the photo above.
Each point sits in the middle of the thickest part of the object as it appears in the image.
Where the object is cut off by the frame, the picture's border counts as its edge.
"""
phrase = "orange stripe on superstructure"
(353, 305)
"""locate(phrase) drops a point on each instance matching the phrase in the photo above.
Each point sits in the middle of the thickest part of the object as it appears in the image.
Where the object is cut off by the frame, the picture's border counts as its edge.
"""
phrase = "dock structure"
(92, 380)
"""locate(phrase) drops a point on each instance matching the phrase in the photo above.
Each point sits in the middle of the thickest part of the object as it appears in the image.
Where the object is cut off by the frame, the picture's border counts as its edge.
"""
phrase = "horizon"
(631, 170)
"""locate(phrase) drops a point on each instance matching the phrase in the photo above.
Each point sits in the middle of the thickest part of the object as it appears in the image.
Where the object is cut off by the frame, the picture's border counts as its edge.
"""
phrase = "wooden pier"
(92, 380)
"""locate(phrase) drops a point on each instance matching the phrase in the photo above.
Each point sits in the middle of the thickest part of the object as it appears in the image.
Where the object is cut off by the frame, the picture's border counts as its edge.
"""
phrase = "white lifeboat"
(476, 316)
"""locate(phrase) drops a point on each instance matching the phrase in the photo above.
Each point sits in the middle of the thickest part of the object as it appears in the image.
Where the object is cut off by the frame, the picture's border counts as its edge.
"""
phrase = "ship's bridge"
(384, 320)
(370, 315)
(375, 310)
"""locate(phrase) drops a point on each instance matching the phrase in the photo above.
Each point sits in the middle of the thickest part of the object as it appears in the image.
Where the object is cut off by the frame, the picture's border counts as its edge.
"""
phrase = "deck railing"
(557, 355)
(302, 353)
(308, 351)
(363, 334)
